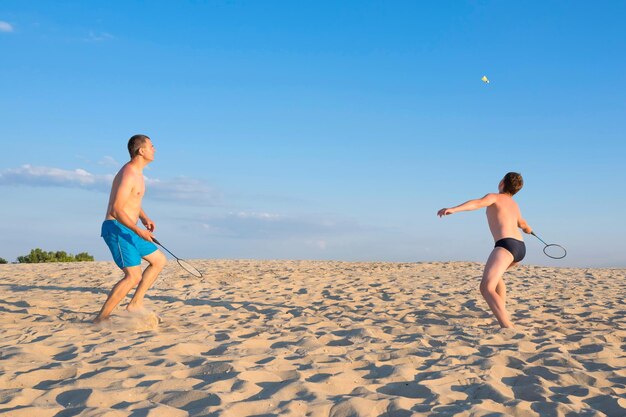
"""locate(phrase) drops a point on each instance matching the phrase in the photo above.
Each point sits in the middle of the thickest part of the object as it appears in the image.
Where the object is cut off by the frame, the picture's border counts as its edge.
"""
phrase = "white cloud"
(54, 177)
(5, 27)
(108, 161)
(255, 215)
(98, 36)
(182, 188)
(261, 225)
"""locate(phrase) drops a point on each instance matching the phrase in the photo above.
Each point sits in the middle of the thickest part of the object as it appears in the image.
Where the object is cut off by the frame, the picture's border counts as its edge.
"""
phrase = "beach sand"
(305, 338)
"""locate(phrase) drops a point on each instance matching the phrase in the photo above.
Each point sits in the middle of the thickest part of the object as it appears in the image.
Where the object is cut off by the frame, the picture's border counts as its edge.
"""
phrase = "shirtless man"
(505, 220)
(128, 242)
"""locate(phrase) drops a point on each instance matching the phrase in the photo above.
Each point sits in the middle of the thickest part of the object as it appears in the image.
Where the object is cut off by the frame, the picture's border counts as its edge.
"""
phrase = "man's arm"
(476, 204)
(146, 221)
(521, 223)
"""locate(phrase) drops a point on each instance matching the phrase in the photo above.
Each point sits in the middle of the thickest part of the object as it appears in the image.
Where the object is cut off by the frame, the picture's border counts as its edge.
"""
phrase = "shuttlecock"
(485, 79)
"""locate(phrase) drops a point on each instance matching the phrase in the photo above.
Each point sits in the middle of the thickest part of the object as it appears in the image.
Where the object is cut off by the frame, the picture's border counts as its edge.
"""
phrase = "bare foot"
(99, 320)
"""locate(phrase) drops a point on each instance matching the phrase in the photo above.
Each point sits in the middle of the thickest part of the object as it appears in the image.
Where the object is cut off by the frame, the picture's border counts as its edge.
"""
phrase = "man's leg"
(500, 288)
(132, 275)
(157, 261)
(498, 262)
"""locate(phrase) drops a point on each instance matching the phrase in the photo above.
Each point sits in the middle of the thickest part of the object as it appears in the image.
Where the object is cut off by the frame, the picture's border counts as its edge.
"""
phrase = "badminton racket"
(183, 264)
(552, 250)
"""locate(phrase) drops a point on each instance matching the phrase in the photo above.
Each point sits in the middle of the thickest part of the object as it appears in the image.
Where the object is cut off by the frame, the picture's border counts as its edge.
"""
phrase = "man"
(128, 242)
(505, 220)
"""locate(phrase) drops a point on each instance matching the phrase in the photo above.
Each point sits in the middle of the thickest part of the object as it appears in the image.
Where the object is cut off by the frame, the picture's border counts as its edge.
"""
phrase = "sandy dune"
(287, 338)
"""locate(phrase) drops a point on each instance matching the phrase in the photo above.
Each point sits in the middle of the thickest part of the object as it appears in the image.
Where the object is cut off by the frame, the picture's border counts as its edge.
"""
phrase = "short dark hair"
(135, 143)
(512, 183)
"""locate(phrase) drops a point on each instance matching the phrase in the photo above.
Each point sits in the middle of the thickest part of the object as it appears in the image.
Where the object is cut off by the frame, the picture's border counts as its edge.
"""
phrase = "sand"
(304, 338)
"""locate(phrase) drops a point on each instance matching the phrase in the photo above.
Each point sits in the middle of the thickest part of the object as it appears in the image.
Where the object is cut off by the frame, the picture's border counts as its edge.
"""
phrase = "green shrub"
(3, 261)
(40, 256)
(83, 257)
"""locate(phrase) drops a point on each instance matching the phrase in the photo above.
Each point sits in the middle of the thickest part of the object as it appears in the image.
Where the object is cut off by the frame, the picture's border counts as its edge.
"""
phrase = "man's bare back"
(503, 216)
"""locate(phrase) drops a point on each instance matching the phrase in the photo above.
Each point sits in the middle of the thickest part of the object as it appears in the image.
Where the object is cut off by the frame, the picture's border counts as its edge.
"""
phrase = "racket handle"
(533, 233)
(166, 249)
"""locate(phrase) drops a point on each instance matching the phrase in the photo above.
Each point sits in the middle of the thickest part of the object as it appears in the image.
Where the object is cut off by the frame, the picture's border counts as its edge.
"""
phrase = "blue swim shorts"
(126, 246)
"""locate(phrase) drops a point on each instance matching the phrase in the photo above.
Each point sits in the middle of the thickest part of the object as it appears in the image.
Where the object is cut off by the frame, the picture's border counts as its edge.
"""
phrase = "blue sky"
(315, 130)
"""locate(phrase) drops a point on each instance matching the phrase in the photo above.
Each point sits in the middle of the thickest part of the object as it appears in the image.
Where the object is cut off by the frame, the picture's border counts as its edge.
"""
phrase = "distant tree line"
(40, 256)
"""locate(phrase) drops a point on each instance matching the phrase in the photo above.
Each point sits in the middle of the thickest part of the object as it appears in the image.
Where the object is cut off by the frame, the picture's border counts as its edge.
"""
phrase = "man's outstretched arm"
(476, 204)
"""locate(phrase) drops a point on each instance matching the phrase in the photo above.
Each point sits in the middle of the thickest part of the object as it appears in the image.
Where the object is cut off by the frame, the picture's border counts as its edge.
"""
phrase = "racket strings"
(555, 251)
(189, 268)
